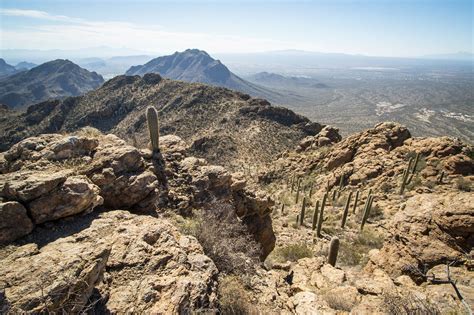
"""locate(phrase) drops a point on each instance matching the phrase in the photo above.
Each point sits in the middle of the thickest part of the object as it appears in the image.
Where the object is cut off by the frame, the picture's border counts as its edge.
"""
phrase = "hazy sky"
(373, 27)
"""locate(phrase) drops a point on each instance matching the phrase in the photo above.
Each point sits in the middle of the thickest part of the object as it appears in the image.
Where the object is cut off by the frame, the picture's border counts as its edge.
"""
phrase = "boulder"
(75, 195)
(14, 221)
(431, 230)
(121, 263)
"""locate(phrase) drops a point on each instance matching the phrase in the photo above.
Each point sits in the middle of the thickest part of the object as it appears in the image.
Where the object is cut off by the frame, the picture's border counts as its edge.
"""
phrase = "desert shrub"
(90, 132)
(226, 240)
(351, 254)
(416, 181)
(408, 303)
(292, 252)
(385, 187)
(376, 211)
(233, 298)
(354, 252)
(339, 303)
(463, 184)
(369, 238)
(430, 184)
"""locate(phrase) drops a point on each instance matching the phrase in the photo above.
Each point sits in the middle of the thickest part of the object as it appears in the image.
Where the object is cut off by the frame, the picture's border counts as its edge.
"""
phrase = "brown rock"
(432, 229)
(14, 221)
(460, 164)
(75, 195)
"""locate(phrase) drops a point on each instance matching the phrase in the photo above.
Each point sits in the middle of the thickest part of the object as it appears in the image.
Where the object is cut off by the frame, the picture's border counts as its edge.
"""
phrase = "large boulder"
(14, 221)
(55, 176)
(121, 263)
(431, 230)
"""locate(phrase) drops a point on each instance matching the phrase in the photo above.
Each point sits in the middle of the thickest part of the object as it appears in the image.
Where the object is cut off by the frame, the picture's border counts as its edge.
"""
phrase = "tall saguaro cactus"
(321, 216)
(368, 207)
(333, 250)
(153, 128)
(346, 210)
(355, 201)
(409, 173)
(315, 215)
(302, 213)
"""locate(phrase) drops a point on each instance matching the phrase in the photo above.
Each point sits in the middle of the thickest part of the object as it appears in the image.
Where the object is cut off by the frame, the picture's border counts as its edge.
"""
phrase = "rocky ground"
(409, 238)
(91, 223)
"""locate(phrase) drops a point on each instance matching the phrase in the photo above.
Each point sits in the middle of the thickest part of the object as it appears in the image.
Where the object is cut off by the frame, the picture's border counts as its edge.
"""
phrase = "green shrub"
(463, 184)
(292, 252)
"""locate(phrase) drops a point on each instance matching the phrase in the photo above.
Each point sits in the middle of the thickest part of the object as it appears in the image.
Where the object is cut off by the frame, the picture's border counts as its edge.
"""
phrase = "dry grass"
(225, 239)
(233, 298)
(408, 303)
(292, 252)
(354, 251)
(89, 132)
(463, 184)
(339, 303)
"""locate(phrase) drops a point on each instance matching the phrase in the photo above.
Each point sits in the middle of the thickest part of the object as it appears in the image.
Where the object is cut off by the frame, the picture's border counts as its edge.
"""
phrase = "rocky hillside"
(6, 69)
(392, 258)
(228, 128)
(193, 65)
(71, 256)
(52, 80)
(93, 224)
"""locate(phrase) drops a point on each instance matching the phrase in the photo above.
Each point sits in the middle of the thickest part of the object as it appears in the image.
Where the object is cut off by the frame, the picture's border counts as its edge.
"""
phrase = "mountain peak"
(53, 79)
(195, 65)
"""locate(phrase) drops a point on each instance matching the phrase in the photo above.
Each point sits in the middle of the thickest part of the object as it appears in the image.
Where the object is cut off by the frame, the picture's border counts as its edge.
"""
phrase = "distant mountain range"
(6, 69)
(54, 79)
(275, 80)
(195, 65)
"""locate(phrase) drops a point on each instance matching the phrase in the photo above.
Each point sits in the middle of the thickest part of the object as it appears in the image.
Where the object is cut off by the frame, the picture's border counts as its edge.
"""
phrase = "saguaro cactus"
(315, 215)
(333, 250)
(321, 216)
(341, 182)
(346, 210)
(153, 128)
(367, 209)
(355, 202)
(298, 191)
(440, 177)
(282, 208)
(409, 173)
(303, 208)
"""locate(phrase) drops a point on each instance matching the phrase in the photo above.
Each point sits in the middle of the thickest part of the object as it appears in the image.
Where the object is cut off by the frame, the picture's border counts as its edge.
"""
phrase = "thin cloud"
(42, 15)
(79, 33)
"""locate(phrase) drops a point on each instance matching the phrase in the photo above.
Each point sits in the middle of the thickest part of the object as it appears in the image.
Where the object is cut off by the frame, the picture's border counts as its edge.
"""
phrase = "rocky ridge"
(408, 238)
(138, 261)
(225, 127)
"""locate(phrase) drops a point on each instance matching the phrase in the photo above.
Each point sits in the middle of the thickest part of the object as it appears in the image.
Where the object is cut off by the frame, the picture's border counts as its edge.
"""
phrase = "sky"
(403, 28)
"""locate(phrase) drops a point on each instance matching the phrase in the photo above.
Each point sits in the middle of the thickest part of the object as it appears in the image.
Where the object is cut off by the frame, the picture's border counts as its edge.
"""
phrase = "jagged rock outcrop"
(196, 184)
(379, 154)
(327, 136)
(55, 176)
(431, 230)
(120, 262)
